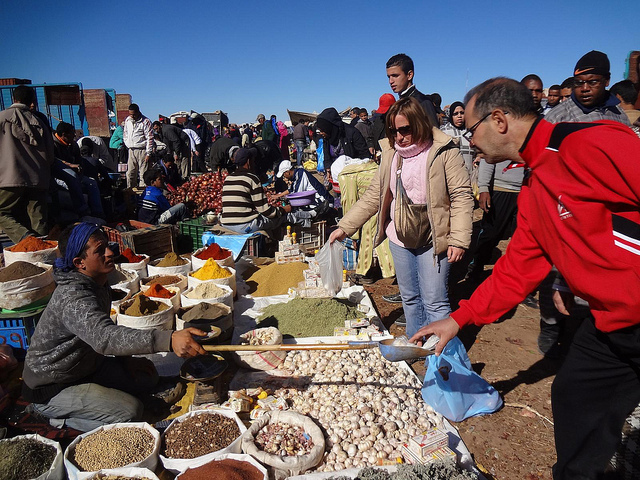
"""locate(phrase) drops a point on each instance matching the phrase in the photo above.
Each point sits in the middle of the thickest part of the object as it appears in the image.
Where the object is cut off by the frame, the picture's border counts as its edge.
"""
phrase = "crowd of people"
(559, 175)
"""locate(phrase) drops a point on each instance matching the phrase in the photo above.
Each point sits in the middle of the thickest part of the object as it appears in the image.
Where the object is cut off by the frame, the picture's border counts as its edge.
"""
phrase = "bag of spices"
(145, 313)
(170, 264)
(212, 272)
(260, 360)
(230, 465)
(128, 260)
(222, 256)
(34, 456)
(117, 445)
(125, 279)
(156, 290)
(294, 462)
(199, 437)
(173, 280)
(118, 295)
(125, 473)
(207, 316)
(208, 292)
(23, 283)
(32, 250)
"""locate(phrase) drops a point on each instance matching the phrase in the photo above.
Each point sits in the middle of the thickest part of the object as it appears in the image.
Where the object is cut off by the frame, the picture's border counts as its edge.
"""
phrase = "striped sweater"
(243, 199)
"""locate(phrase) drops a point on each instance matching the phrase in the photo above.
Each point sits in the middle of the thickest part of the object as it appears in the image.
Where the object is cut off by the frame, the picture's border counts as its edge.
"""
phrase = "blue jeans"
(300, 146)
(423, 285)
(258, 223)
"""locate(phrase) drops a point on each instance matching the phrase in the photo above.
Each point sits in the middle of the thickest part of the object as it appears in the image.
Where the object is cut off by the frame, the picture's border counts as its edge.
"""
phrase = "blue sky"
(251, 57)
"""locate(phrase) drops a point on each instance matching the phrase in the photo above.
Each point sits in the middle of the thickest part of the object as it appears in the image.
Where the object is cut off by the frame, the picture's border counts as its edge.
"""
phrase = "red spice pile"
(158, 291)
(32, 244)
(214, 251)
(131, 256)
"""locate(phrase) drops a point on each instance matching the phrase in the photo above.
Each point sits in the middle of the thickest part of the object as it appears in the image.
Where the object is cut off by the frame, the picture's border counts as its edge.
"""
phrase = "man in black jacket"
(220, 153)
(400, 75)
(178, 145)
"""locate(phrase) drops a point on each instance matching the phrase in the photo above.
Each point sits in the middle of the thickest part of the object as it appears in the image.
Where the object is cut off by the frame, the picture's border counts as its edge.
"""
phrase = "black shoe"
(548, 339)
(401, 321)
(531, 302)
(393, 298)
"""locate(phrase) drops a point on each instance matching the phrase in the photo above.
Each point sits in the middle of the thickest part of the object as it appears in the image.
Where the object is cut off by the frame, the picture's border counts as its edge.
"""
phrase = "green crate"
(194, 228)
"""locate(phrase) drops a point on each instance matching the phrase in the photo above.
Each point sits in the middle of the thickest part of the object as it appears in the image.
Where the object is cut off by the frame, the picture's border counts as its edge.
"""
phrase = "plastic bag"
(330, 262)
(320, 153)
(453, 389)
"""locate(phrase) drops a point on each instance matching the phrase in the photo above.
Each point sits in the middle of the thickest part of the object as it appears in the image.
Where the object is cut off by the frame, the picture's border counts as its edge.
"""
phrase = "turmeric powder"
(211, 270)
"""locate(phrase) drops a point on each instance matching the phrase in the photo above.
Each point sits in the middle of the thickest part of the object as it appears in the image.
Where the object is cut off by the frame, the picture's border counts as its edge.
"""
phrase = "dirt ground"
(516, 442)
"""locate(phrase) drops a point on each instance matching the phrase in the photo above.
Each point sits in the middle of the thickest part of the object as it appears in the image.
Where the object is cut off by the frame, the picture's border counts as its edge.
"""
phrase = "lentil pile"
(158, 291)
(200, 434)
(143, 305)
(206, 290)
(227, 469)
(214, 251)
(172, 259)
(163, 280)
(308, 317)
(24, 459)
(112, 448)
(432, 471)
(32, 244)
(211, 270)
(19, 270)
(274, 279)
(283, 439)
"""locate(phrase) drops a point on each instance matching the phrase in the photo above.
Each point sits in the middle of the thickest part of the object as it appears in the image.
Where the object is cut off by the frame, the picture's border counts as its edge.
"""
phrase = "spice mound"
(442, 470)
(283, 439)
(172, 259)
(215, 252)
(308, 317)
(25, 458)
(32, 244)
(163, 280)
(19, 270)
(206, 311)
(227, 469)
(211, 270)
(200, 434)
(119, 276)
(143, 305)
(274, 279)
(105, 476)
(206, 290)
(113, 448)
(128, 256)
(158, 291)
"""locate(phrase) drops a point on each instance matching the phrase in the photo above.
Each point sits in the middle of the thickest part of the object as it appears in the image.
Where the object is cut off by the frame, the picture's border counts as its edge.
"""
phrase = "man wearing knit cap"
(590, 100)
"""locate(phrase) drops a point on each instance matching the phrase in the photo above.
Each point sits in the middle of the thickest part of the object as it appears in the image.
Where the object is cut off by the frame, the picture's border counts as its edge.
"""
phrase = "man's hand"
(183, 344)
(455, 254)
(485, 201)
(337, 234)
(563, 301)
(287, 208)
(445, 329)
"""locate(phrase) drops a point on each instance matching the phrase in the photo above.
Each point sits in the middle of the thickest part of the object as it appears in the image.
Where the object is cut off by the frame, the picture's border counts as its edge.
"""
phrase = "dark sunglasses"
(404, 130)
(458, 113)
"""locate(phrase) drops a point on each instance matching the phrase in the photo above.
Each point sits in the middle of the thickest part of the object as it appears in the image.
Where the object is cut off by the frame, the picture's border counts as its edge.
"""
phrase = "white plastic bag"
(330, 262)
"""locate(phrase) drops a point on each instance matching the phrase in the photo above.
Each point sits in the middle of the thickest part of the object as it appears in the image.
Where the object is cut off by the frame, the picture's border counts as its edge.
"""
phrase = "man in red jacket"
(579, 209)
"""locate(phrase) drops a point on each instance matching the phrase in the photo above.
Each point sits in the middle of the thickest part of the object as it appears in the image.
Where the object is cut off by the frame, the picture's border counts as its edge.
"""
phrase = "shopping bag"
(453, 389)
(330, 262)
(320, 154)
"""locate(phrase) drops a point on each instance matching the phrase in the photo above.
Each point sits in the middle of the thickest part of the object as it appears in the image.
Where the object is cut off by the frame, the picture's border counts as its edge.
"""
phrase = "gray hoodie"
(488, 175)
(74, 334)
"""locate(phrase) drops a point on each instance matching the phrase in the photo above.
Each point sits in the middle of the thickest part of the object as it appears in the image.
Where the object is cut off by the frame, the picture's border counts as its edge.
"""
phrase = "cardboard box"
(357, 323)
(281, 258)
(428, 442)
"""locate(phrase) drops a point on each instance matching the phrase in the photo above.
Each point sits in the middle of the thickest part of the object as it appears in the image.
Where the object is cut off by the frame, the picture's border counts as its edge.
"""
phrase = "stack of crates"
(194, 228)
(312, 238)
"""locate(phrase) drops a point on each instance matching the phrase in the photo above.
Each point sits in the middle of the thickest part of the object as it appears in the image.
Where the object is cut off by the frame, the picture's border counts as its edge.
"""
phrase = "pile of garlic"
(367, 405)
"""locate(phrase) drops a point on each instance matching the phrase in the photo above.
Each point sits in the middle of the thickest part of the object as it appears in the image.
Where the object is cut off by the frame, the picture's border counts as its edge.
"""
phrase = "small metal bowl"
(203, 368)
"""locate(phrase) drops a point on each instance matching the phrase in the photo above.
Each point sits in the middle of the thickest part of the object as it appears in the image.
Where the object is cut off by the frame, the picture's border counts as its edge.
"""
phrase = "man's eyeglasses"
(592, 83)
(404, 130)
(469, 133)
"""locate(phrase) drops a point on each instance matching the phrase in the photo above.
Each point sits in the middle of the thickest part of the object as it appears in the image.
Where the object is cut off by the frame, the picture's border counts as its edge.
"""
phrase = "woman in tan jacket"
(422, 196)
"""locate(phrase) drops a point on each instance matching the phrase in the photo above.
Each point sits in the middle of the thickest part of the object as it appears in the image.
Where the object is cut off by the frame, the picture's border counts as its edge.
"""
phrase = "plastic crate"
(17, 332)
(311, 238)
(194, 228)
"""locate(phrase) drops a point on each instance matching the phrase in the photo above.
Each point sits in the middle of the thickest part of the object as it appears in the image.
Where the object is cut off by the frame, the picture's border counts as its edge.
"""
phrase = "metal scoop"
(392, 349)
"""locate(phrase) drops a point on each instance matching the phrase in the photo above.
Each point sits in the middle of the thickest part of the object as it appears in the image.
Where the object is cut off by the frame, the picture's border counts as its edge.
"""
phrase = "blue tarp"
(235, 243)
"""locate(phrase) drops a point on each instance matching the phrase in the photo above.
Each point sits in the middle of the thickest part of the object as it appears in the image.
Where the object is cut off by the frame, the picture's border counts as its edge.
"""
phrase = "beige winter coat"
(450, 206)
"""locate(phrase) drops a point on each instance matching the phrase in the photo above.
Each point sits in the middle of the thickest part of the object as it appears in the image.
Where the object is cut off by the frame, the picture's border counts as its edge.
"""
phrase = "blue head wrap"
(77, 241)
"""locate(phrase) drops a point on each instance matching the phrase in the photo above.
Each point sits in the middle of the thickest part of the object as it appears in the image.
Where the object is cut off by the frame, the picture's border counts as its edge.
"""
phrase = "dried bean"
(283, 439)
(113, 448)
(25, 458)
(200, 434)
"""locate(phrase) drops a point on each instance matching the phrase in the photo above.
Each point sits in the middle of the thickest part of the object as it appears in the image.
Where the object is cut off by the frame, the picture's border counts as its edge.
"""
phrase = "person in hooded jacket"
(339, 138)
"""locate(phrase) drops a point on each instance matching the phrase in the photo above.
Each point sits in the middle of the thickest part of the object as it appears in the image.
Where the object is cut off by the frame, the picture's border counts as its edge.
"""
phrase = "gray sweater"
(74, 334)
(494, 177)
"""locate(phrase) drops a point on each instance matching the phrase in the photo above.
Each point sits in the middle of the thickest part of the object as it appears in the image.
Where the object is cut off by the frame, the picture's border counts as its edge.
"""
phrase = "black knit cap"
(593, 63)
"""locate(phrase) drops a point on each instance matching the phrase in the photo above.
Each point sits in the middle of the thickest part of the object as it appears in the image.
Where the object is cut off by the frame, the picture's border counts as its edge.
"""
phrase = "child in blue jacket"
(155, 207)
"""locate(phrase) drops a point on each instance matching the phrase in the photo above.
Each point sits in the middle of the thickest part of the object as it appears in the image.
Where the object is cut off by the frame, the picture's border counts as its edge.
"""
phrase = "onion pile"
(204, 193)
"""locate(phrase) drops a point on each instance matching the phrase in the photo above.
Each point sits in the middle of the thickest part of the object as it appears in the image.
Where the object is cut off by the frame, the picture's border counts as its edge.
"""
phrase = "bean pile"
(112, 448)
(283, 439)
(227, 469)
(23, 459)
(200, 434)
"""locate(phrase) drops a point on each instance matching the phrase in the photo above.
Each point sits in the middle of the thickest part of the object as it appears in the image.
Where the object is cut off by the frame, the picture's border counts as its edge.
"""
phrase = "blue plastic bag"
(453, 389)
(320, 154)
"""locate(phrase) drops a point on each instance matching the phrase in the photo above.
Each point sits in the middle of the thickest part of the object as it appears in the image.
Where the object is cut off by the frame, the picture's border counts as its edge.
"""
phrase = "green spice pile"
(274, 279)
(24, 458)
(308, 317)
(432, 471)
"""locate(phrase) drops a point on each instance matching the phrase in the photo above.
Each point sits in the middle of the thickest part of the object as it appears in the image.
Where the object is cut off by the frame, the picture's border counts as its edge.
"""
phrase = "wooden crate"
(155, 241)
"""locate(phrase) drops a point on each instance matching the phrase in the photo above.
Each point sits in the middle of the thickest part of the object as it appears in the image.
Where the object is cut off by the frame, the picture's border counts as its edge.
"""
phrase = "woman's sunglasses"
(404, 130)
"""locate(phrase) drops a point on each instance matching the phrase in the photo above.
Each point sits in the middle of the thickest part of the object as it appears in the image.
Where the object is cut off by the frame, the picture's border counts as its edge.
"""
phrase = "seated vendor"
(245, 208)
(79, 370)
(155, 208)
(299, 180)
